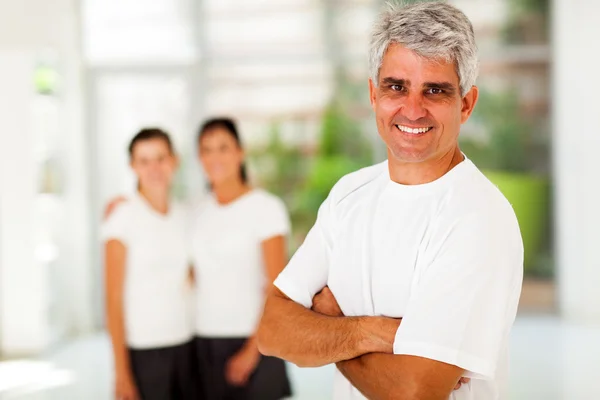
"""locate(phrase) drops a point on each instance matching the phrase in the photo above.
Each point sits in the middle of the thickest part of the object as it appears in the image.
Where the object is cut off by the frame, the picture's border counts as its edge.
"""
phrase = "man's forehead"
(398, 49)
(402, 63)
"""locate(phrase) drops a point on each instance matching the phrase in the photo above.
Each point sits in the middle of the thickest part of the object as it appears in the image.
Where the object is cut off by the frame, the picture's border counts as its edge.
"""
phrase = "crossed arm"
(361, 347)
(310, 339)
(388, 376)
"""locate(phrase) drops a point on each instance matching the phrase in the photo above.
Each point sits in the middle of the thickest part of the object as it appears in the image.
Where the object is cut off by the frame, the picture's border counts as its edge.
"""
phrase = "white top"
(446, 256)
(156, 300)
(228, 258)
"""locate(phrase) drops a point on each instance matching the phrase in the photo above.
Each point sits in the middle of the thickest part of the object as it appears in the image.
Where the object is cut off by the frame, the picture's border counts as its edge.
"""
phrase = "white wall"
(21, 290)
(40, 302)
(576, 147)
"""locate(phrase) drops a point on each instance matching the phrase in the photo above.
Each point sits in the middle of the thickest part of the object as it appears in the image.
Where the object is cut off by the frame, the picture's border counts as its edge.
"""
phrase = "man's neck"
(407, 173)
(158, 200)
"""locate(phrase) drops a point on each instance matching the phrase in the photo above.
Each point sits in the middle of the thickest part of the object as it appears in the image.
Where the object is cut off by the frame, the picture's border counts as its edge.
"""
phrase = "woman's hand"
(112, 205)
(241, 366)
(125, 388)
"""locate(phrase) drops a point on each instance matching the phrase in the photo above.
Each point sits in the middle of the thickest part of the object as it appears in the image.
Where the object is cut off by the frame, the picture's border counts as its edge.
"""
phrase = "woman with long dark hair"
(238, 246)
(146, 273)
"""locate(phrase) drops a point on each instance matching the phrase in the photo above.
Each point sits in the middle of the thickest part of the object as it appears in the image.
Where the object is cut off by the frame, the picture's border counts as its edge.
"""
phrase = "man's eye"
(435, 91)
(396, 88)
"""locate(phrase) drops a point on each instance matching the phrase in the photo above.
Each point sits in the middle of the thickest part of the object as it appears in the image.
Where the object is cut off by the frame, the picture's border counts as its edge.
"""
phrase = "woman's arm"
(115, 255)
(274, 255)
(191, 276)
(241, 366)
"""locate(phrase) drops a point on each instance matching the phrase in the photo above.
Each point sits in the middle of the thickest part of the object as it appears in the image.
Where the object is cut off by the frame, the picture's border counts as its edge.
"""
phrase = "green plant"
(281, 165)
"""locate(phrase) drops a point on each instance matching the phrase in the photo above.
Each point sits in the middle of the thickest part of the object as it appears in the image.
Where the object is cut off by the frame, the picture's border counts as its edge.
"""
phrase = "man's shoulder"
(354, 181)
(477, 195)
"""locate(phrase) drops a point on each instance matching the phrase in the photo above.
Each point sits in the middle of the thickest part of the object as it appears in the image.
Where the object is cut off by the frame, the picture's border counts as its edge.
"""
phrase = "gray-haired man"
(422, 253)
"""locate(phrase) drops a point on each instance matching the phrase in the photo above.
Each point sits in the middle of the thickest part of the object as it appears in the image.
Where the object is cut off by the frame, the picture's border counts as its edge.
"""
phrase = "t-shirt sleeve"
(462, 308)
(274, 219)
(306, 273)
(117, 226)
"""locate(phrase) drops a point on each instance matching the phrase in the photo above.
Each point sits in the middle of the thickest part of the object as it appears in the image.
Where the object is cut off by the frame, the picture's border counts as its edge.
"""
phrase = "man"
(422, 253)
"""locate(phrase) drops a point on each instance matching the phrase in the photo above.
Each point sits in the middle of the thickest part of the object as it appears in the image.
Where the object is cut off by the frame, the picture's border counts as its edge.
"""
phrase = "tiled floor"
(551, 360)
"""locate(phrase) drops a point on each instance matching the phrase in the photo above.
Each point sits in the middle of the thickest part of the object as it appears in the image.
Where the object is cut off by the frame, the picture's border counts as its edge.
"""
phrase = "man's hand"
(325, 303)
(461, 381)
(379, 330)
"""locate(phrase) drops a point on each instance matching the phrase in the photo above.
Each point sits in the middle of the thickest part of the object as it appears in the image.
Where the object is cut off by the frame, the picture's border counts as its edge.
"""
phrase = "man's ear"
(372, 94)
(468, 104)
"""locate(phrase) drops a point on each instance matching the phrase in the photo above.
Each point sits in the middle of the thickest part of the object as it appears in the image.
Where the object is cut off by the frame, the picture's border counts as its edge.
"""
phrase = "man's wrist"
(377, 334)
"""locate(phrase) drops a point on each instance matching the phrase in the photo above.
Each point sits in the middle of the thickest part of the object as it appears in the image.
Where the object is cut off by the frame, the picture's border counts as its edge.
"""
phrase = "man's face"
(418, 106)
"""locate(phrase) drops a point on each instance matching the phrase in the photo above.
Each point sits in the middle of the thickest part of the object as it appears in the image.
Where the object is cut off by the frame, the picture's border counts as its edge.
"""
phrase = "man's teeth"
(411, 130)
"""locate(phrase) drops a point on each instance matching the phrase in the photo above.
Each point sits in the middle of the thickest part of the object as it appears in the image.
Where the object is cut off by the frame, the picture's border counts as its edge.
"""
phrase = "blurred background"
(78, 78)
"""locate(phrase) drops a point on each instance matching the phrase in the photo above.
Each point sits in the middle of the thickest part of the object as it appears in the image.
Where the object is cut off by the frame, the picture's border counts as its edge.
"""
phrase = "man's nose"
(413, 107)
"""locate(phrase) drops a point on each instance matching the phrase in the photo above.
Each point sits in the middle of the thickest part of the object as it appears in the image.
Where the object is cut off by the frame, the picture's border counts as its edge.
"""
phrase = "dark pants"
(268, 382)
(167, 373)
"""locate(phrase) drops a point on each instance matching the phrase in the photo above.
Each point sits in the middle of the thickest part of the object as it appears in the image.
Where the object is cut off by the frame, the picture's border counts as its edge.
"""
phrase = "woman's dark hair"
(228, 125)
(148, 134)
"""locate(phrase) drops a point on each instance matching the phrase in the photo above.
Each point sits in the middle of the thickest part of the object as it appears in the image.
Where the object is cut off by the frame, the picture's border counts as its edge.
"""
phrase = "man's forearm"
(309, 339)
(369, 374)
(387, 376)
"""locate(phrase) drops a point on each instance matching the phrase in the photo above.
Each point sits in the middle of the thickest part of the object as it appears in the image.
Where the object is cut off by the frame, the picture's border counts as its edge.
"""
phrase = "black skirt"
(268, 382)
(166, 373)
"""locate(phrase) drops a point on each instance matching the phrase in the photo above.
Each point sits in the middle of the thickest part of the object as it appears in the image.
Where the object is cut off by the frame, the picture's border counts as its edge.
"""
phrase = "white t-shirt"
(156, 295)
(446, 256)
(228, 258)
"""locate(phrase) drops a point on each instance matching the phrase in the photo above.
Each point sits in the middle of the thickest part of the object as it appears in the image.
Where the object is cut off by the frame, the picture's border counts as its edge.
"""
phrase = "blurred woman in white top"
(238, 246)
(147, 271)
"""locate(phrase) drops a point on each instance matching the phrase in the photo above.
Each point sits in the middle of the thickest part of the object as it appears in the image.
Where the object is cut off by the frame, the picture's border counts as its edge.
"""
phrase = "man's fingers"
(461, 381)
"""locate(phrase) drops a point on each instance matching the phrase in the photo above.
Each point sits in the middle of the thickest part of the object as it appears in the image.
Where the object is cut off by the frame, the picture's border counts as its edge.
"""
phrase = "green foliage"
(281, 166)
(341, 135)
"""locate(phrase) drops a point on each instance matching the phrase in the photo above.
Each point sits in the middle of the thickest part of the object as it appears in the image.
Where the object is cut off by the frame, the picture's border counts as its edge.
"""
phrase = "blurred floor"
(551, 360)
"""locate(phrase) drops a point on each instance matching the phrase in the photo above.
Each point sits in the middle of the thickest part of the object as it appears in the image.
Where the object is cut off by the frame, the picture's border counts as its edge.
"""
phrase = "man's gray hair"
(434, 30)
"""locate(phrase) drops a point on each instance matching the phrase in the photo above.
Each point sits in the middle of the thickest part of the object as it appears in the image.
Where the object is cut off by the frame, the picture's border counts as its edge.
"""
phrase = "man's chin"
(405, 155)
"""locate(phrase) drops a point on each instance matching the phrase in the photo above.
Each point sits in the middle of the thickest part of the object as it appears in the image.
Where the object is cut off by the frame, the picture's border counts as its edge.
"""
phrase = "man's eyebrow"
(395, 81)
(440, 85)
